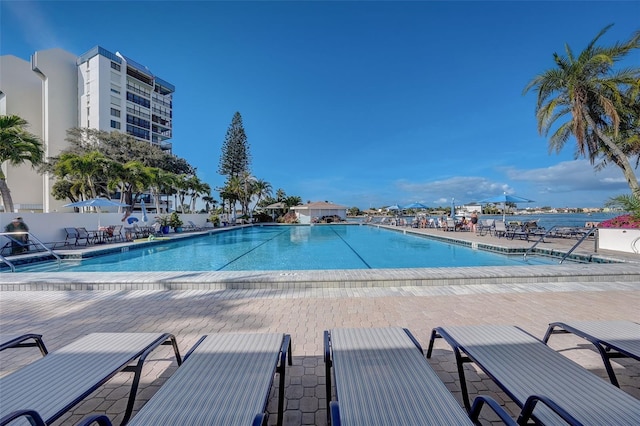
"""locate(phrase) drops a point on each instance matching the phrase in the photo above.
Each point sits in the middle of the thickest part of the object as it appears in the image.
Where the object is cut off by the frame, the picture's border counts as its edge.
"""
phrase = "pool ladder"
(31, 240)
(584, 237)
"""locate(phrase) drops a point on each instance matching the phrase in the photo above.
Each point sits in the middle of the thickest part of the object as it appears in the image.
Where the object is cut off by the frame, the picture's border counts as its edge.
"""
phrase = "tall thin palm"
(592, 95)
(262, 189)
(17, 146)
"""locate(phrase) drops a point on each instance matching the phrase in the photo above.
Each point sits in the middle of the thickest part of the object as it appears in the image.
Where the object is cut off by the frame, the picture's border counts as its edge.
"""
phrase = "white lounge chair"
(613, 339)
(225, 380)
(54, 384)
(522, 365)
(382, 378)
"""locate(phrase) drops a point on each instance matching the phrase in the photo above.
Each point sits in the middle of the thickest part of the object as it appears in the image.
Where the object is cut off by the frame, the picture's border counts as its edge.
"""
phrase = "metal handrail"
(34, 240)
(530, 249)
(11, 265)
(584, 237)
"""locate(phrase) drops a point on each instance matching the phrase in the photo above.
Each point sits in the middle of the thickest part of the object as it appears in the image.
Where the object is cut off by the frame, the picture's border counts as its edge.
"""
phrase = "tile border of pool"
(279, 280)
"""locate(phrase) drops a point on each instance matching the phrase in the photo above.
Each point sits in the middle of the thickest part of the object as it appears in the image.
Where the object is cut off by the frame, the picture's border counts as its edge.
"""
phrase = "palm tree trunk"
(619, 158)
(7, 201)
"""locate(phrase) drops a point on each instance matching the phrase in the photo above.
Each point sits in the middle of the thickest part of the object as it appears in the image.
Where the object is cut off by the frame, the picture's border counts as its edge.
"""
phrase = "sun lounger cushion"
(522, 365)
(382, 378)
(226, 380)
(55, 383)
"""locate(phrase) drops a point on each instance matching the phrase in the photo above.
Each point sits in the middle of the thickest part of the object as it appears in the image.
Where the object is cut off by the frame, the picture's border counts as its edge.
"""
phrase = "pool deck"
(65, 306)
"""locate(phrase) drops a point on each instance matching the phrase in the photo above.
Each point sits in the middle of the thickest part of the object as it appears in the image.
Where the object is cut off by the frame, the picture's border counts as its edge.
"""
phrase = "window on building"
(115, 112)
(115, 66)
(115, 124)
(113, 90)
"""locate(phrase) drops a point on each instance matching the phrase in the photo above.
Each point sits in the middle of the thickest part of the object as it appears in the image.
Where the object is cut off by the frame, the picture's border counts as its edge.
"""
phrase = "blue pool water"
(293, 248)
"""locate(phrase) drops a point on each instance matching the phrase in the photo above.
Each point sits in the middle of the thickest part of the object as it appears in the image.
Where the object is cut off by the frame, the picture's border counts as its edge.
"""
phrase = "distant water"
(547, 220)
(556, 219)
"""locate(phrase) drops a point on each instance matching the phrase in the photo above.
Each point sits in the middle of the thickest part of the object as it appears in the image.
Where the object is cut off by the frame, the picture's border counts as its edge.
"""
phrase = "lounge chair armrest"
(479, 402)
(285, 351)
(414, 340)
(334, 414)
(99, 419)
(32, 416)
(327, 347)
(529, 406)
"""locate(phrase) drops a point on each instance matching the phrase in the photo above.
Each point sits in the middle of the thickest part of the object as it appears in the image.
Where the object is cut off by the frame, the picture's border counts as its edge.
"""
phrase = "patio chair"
(225, 379)
(499, 229)
(517, 231)
(73, 237)
(54, 384)
(29, 340)
(116, 234)
(449, 225)
(485, 226)
(193, 227)
(141, 231)
(382, 378)
(522, 365)
(613, 339)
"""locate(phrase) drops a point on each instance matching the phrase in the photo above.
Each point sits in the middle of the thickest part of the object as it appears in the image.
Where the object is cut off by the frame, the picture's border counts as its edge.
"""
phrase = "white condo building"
(57, 91)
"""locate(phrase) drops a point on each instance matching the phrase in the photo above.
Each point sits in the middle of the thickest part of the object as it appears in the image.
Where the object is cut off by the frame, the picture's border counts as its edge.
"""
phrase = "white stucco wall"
(22, 90)
(49, 227)
(57, 70)
(625, 240)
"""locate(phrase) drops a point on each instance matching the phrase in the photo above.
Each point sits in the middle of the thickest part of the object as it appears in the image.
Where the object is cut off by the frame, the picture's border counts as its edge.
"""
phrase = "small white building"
(308, 212)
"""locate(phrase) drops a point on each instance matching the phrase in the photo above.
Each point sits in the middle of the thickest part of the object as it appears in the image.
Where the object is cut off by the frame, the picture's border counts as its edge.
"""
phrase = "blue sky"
(358, 103)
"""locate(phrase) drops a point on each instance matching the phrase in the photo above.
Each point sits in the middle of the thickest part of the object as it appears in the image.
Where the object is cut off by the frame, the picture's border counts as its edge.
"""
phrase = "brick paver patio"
(64, 316)
(64, 307)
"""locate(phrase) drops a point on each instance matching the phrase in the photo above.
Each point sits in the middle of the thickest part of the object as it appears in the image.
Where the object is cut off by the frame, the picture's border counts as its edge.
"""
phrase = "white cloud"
(570, 176)
(36, 29)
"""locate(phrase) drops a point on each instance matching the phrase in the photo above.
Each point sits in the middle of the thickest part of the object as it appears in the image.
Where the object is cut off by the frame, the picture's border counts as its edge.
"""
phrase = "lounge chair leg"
(327, 368)
(604, 353)
(137, 370)
(434, 336)
(286, 350)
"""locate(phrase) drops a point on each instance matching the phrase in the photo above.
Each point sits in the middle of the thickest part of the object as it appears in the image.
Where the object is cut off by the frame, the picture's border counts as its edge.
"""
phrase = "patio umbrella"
(96, 202)
(504, 199)
(394, 207)
(414, 206)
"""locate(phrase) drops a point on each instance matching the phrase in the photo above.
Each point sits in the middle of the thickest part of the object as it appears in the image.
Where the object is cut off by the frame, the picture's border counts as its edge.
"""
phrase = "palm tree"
(197, 188)
(261, 188)
(85, 172)
(161, 180)
(17, 146)
(592, 95)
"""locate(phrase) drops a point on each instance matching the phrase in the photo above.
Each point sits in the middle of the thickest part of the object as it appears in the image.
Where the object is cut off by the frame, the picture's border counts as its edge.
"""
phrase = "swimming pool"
(267, 248)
